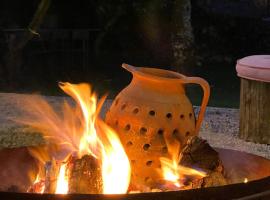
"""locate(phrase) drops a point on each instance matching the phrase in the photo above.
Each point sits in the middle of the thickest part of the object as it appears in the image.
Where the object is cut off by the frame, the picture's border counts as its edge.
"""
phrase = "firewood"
(199, 154)
(85, 175)
(211, 180)
(51, 173)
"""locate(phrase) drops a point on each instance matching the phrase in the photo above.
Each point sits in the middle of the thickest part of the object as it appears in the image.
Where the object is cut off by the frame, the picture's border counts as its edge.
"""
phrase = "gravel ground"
(220, 126)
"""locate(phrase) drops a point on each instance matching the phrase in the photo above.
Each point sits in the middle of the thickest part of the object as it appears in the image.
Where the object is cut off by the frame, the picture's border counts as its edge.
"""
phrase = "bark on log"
(85, 175)
(255, 111)
(199, 154)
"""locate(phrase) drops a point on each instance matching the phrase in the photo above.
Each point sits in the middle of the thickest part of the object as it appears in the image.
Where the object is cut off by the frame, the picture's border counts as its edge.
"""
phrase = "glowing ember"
(80, 130)
(62, 180)
(245, 180)
(170, 171)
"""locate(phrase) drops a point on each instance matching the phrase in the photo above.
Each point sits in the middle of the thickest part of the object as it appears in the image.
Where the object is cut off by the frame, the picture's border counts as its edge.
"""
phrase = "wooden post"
(255, 111)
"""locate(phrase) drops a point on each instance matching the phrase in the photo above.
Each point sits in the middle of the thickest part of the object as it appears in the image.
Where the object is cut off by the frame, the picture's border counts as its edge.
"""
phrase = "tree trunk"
(182, 36)
(13, 58)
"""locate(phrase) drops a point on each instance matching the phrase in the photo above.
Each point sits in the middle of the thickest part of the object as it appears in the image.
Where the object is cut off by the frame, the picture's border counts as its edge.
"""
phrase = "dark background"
(88, 40)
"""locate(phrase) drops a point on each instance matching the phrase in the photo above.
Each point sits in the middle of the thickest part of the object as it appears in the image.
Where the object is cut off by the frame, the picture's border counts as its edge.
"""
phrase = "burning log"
(85, 175)
(199, 154)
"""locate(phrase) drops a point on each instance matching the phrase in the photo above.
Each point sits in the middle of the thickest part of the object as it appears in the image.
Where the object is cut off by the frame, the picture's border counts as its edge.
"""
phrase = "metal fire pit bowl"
(16, 164)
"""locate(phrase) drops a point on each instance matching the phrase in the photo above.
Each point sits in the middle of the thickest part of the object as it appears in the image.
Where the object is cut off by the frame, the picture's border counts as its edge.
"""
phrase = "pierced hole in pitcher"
(133, 162)
(182, 116)
(190, 115)
(169, 115)
(152, 113)
(129, 144)
(175, 132)
(164, 150)
(143, 130)
(160, 131)
(116, 123)
(123, 106)
(149, 163)
(135, 111)
(187, 134)
(146, 147)
(127, 127)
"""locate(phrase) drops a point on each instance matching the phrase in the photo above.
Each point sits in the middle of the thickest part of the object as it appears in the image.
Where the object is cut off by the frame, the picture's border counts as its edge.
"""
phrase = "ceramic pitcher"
(151, 113)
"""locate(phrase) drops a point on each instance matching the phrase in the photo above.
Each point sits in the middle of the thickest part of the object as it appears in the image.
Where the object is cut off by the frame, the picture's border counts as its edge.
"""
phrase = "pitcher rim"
(175, 76)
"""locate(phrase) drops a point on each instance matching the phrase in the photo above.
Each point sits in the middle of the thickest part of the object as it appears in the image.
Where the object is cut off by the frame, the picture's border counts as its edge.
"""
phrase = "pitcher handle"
(206, 92)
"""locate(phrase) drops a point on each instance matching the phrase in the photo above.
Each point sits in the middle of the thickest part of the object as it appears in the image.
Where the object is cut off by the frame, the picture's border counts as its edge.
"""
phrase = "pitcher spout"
(128, 67)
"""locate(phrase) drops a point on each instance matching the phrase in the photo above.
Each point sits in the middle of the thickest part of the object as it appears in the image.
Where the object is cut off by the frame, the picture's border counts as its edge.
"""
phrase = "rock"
(19, 136)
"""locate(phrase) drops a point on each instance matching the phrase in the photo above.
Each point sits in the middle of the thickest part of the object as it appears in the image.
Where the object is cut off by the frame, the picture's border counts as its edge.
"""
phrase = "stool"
(254, 98)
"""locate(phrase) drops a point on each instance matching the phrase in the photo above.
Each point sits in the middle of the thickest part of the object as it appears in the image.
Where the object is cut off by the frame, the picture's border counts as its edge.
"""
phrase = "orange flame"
(62, 180)
(174, 172)
(80, 129)
(81, 93)
(170, 171)
(115, 163)
(38, 185)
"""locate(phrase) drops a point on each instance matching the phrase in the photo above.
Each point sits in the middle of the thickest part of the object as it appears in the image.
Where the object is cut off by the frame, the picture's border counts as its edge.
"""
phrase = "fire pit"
(240, 165)
(151, 149)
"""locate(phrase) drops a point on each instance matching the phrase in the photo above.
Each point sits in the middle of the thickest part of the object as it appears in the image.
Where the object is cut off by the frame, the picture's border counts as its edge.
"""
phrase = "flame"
(42, 185)
(38, 185)
(107, 147)
(115, 163)
(174, 172)
(81, 93)
(245, 180)
(170, 171)
(41, 155)
(79, 129)
(62, 180)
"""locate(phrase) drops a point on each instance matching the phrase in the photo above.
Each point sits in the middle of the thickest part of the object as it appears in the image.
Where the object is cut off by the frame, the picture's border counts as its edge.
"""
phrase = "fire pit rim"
(232, 191)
